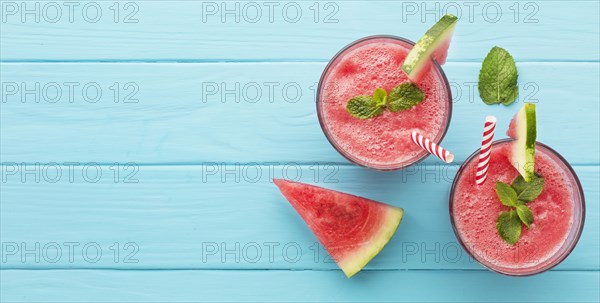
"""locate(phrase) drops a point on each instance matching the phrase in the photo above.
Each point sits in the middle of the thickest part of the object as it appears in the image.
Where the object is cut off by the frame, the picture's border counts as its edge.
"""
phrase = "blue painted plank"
(289, 30)
(304, 286)
(182, 113)
(215, 217)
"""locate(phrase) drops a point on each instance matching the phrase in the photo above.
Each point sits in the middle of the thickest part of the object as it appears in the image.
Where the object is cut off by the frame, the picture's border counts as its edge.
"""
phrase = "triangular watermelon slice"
(432, 46)
(352, 229)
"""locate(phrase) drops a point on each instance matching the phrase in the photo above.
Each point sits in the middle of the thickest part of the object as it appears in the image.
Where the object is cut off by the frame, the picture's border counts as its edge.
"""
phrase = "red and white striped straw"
(486, 150)
(431, 147)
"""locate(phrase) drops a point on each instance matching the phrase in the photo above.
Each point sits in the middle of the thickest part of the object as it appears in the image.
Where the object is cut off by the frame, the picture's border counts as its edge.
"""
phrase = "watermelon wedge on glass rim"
(352, 229)
(432, 46)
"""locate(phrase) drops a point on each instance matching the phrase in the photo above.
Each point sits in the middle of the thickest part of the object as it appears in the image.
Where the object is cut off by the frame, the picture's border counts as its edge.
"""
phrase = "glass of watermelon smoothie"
(559, 213)
(383, 142)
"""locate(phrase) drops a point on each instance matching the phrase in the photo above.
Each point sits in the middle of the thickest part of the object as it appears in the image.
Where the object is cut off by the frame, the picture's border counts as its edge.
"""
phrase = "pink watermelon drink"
(382, 142)
(558, 212)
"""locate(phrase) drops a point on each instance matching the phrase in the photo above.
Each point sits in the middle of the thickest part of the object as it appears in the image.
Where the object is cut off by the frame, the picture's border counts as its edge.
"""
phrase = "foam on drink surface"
(383, 140)
(476, 209)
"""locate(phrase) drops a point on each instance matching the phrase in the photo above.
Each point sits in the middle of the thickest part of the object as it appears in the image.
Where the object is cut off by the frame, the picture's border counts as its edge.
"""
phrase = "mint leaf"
(525, 215)
(380, 96)
(498, 78)
(509, 226)
(519, 184)
(506, 194)
(516, 196)
(404, 96)
(364, 107)
(528, 191)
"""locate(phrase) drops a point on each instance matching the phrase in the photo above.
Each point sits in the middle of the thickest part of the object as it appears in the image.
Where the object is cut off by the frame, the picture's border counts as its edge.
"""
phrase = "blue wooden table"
(139, 139)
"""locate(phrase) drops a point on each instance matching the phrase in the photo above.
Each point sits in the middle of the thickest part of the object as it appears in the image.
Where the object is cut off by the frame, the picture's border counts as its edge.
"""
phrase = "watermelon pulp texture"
(476, 209)
(352, 229)
(523, 129)
(384, 141)
(512, 128)
(432, 46)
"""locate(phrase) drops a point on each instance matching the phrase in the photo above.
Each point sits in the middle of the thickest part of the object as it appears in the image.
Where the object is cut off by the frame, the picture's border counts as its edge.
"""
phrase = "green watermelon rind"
(356, 261)
(420, 54)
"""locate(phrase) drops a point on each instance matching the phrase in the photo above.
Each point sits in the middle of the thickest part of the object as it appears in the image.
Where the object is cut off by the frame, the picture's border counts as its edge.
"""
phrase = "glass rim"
(563, 255)
(341, 151)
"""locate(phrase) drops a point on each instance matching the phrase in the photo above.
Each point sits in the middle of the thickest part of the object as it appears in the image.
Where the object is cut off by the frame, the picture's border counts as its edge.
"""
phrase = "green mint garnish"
(401, 97)
(528, 191)
(515, 196)
(405, 96)
(525, 215)
(364, 107)
(506, 194)
(498, 78)
(509, 226)
(380, 97)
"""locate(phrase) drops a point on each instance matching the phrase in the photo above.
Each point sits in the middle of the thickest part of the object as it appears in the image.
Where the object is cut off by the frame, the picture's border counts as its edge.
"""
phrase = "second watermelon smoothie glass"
(559, 213)
(383, 142)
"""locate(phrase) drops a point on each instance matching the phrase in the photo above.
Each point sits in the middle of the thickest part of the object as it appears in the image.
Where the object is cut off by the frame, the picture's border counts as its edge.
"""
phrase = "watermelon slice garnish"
(352, 229)
(432, 46)
(523, 129)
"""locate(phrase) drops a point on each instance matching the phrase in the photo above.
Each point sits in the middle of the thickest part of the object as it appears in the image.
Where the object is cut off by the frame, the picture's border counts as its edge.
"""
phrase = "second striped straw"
(486, 150)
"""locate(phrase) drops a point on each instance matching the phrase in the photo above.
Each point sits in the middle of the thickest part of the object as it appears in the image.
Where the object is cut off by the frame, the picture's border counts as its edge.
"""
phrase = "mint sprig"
(380, 97)
(506, 194)
(401, 97)
(525, 215)
(516, 196)
(405, 96)
(364, 107)
(528, 191)
(498, 78)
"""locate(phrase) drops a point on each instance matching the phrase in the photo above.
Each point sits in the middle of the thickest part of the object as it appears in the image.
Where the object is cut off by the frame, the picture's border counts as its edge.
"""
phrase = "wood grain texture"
(301, 286)
(192, 217)
(295, 30)
(201, 161)
(182, 113)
